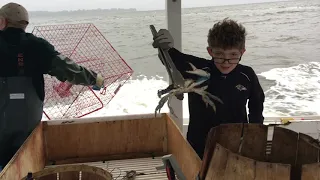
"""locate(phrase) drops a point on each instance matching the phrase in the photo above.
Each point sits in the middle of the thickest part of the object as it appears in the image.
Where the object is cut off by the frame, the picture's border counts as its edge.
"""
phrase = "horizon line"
(136, 9)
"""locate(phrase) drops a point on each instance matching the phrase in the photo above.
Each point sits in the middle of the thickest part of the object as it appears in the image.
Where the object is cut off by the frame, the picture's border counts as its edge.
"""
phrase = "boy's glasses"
(223, 60)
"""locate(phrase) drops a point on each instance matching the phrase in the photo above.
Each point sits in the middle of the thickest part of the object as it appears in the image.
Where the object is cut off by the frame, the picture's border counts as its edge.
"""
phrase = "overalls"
(20, 106)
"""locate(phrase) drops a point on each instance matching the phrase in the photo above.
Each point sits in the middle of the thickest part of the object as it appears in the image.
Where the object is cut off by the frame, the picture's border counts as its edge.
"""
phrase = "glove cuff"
(99, 81)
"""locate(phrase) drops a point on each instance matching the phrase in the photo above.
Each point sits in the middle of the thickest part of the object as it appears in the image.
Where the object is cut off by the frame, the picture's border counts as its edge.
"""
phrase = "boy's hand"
(163, 40)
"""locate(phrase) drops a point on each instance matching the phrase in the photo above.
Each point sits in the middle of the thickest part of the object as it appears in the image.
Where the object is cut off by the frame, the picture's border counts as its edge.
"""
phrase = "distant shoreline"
(89, 10)
(135, 10)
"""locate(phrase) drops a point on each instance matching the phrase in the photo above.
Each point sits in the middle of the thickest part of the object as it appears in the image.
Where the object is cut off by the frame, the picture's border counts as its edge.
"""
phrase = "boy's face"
(225, 59)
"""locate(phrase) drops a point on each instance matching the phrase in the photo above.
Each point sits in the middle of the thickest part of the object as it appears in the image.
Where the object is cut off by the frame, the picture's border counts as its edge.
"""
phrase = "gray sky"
(57, 5)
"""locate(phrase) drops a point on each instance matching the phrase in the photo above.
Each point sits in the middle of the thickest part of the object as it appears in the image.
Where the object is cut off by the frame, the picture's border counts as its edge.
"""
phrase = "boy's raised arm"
(165, 41)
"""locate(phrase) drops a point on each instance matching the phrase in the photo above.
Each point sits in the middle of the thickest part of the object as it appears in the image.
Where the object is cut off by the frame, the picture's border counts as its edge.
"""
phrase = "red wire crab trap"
(84, 44)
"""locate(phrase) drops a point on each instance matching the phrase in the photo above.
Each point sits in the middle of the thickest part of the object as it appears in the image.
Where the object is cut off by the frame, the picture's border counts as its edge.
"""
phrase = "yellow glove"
(99, 82)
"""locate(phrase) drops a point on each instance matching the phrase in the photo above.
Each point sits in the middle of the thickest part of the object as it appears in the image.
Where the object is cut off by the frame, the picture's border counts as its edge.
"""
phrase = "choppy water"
(283, 47)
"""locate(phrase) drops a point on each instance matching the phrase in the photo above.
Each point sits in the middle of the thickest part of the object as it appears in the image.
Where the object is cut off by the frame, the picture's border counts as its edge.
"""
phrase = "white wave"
(137, 96)
(296, 91)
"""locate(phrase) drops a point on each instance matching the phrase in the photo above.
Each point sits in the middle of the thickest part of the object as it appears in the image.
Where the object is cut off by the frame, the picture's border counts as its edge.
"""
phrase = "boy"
(232, 82)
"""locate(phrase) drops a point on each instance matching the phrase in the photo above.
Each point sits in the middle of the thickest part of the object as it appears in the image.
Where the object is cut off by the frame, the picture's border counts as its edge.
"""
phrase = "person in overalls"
(24, 59)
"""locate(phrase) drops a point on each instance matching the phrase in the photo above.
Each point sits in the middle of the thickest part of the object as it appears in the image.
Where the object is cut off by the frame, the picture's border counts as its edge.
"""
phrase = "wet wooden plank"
(267, 171)
(254, 141)
(218, 163)
(284, 146)
(29, 158)
(188, 160)
(311, 171)
(239, 168)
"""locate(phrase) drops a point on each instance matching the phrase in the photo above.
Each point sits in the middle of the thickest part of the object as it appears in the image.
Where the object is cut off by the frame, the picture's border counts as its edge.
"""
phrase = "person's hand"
(99, 82)
(163, 39)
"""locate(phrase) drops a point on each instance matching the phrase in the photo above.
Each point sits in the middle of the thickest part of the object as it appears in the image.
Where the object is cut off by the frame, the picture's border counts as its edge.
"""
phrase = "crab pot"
(253, 151)
(92, 147)
(88, 47)
(63, 89)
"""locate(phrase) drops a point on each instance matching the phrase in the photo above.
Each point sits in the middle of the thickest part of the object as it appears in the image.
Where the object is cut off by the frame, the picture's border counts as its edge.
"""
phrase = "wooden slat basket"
(71, 172)
(241, 151)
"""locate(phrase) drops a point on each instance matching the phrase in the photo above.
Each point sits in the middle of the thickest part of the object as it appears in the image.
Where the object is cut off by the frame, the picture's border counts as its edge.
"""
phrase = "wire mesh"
(84, 44)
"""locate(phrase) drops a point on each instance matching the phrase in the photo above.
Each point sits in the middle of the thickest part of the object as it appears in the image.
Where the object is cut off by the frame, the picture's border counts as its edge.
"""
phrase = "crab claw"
(199, 72)
(192, 66)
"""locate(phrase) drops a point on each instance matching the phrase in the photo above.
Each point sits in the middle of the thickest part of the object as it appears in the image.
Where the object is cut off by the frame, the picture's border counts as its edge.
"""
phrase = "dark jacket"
(40, 58)
(24, 59)
(234, 89)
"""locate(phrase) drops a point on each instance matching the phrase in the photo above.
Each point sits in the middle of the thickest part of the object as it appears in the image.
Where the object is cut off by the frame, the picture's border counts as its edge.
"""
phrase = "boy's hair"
(227, 34)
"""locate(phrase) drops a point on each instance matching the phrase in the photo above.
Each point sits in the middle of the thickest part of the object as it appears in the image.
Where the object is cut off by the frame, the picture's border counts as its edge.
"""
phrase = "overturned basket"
(70, 172)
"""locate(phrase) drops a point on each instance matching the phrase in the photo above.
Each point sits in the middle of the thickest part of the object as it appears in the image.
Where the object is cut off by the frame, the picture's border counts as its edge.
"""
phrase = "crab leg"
(214, 97)
(199, 72)
(171, 109)
(161, 103)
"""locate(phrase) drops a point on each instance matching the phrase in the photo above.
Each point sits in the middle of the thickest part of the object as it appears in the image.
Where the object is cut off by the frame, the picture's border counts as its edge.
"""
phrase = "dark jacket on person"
(234, 89)
(24, 59)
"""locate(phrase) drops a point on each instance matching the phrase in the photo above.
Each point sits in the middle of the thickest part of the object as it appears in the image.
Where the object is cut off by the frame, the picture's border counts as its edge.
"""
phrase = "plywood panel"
(187, 158)
(106, 138)
(29, 158)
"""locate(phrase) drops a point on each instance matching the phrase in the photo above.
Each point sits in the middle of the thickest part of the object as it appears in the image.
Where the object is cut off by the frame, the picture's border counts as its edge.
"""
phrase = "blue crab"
(191, 86)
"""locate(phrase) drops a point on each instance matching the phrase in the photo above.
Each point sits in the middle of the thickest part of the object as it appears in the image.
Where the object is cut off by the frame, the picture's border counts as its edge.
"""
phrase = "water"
(283, 47)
